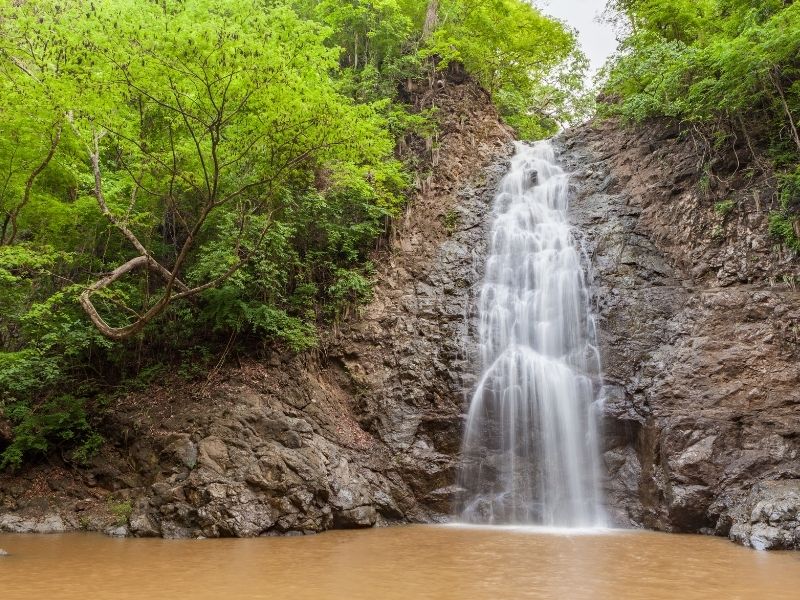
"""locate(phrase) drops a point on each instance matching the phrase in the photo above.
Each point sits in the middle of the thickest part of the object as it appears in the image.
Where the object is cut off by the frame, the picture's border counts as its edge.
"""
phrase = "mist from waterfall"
(531, 451)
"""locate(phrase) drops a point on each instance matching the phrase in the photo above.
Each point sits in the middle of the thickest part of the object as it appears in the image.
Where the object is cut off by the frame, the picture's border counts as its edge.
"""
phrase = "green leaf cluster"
(529, 62)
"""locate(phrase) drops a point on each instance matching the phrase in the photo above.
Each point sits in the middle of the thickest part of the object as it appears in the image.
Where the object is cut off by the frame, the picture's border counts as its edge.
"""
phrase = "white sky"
(597, 39)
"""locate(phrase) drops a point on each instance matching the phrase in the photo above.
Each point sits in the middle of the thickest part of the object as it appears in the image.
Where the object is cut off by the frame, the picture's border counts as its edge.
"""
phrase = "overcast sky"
(597, 39)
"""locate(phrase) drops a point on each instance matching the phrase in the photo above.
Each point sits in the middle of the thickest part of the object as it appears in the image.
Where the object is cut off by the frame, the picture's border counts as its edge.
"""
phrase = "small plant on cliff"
(783, 227)
(784, 223)
(450, 221)
(121, 510)
(724, 207)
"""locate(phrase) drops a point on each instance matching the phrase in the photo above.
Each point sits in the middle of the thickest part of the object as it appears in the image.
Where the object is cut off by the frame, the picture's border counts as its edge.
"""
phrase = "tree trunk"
(431, 19)
(775, 78)
(11, 217)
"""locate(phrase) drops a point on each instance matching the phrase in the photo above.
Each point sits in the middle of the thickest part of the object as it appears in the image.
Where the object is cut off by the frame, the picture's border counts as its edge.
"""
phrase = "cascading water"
(531, 453)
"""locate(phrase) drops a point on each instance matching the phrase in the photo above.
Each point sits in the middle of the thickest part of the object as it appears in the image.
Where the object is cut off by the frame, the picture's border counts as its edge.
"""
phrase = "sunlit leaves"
(528, 61)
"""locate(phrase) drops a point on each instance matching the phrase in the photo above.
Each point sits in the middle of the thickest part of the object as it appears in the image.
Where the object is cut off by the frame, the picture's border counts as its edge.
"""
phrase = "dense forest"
(181, 180)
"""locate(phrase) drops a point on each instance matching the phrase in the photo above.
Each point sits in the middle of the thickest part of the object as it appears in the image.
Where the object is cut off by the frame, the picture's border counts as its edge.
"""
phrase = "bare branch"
(131, 237)
(120, 333)
(11, 218)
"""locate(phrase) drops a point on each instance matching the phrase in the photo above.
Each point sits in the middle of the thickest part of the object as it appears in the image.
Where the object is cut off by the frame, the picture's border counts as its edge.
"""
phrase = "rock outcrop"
(699, 326)
(770, 518)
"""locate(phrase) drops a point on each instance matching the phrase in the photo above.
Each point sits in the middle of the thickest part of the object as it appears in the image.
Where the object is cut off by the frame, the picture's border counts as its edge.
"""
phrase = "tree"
(180, 179)
(199, 109)
(528, 62)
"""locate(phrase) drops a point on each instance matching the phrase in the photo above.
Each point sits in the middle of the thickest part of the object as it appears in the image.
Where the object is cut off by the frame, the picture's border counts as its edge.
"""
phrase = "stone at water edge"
(3, 552)
(118, 531)
(769, 519)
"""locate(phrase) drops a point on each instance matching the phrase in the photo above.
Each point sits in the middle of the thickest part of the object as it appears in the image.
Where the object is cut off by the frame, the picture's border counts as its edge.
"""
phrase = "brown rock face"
(699, 323)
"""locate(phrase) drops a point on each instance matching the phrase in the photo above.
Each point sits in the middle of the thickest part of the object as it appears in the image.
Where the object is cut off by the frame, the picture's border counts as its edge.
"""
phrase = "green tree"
(529, 62)
(178, 102)
(179, 178)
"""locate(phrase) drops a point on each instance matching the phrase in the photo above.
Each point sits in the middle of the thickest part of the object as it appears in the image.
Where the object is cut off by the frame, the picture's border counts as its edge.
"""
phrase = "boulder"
(769, 519)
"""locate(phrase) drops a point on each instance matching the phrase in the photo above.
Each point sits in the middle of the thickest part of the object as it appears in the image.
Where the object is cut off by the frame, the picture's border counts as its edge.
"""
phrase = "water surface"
(421, 562)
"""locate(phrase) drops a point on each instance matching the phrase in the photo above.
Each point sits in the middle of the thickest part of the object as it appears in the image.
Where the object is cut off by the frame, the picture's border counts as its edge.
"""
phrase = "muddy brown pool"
(424, 562)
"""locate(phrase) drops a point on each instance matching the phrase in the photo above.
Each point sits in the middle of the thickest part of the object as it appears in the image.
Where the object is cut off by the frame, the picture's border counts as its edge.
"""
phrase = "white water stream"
(531, 453)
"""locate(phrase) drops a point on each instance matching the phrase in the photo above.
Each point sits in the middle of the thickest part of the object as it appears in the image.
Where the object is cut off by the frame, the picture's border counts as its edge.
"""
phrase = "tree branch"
(11, 218)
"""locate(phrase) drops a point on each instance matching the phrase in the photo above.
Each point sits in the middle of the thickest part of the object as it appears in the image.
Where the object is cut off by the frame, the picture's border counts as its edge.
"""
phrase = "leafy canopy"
(184, 178)
(731, 67)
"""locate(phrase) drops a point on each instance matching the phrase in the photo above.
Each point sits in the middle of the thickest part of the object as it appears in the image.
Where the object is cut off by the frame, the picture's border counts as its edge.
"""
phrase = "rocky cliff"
(699, 324)
(365, 432)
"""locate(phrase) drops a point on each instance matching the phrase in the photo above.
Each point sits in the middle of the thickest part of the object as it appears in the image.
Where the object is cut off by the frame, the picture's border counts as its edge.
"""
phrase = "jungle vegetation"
(726, 69)
(183, 177)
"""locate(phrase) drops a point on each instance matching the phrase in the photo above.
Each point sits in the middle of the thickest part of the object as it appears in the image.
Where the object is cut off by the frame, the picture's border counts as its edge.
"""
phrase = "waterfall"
(531, 452)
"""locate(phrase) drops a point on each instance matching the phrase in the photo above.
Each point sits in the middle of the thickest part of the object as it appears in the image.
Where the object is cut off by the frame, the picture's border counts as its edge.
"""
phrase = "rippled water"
(530, 446)
(409, 563)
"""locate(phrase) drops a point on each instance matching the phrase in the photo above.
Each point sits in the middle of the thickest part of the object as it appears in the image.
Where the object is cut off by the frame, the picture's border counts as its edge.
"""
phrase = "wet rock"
(48, 523)
(769, 519)
(183, 449)
(700, 362)
(118, 531)
(213, 453)
(361, 516)
(292, 439)
(141, 525)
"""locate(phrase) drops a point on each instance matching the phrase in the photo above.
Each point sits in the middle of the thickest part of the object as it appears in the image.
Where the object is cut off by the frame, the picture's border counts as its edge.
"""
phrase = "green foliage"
(784, 224)
(59, 422)
(371, 34)
(729, 68)
(782, 228)
(351, 288)
(247, 148)
(529, 62)
(697, 61)
(724, 207)
(121, 510)
(450, 221)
